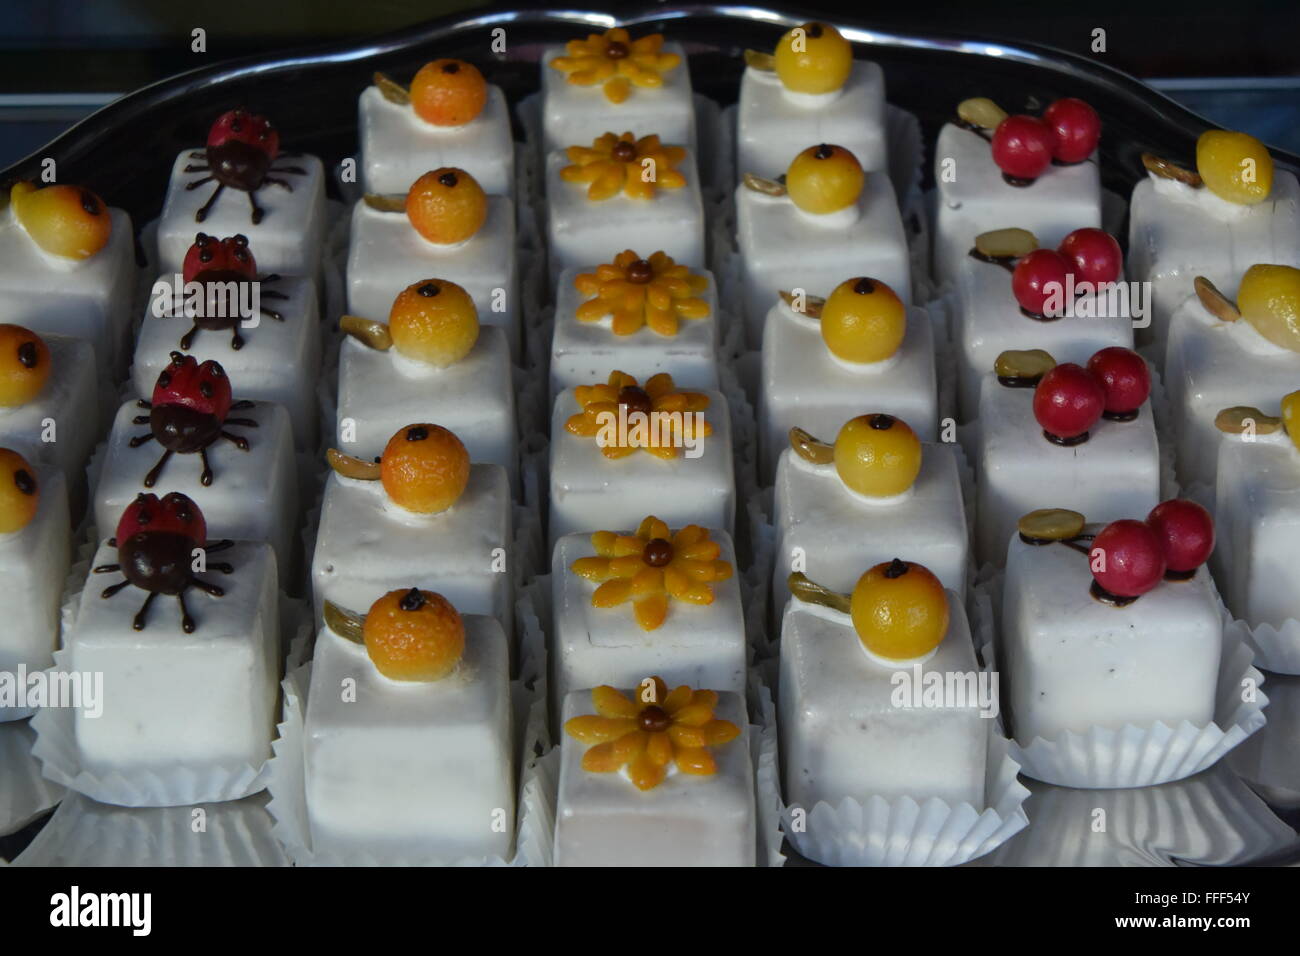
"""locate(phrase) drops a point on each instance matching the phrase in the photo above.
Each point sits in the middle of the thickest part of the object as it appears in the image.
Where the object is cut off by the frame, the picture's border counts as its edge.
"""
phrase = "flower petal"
(611, 702)
(651, 611)
(612, 593)
(696, 760)
(594, 729)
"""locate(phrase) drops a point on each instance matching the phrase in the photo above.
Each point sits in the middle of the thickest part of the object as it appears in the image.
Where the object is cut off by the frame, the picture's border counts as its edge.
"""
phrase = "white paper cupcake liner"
(174, 785)
(85, 833)
(1212, 819)
(1268, 759)
(1105, 758)
(906, 831)
(1276, 649)
(286, 772)
(24, 793)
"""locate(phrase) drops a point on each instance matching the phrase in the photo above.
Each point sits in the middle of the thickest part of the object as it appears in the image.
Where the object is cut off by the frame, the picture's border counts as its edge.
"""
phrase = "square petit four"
(684, 797)
(861, 349)
(975, 194)
(282, 211)
(1212, 222)
(684, 621)
(234, 460)
(1219, 356)
(810, 90)
(450, 116)
(423, 515)
(877, 492)
(622, 186)
(408, 749)
(1257, 513)
(823, 224)
(270, 344)
(192, 684)
(854, 722)
(430, 361)
(619, 448)
(989, 318)
(1074, 655)
(1044, 438)
(452, 230)
(49, 401)
(81, 289)
(36, 553)
(672, 325)
(610, 81)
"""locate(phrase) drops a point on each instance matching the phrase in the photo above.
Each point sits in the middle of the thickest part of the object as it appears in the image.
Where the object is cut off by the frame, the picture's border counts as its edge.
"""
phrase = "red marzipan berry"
(1036, 277)
(252, 130)
(1075, 127)
(1125, 377)
(1094, 255)
(203, 388)
(1131, 555)
(1186, 532)
(1022, 147)
(210, 254)
(175, 514)
(1068, 400)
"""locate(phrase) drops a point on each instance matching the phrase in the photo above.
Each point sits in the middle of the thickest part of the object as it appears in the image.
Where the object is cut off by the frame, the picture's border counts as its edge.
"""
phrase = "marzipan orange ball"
(899, 610)
(424, 468)
(448, 92)
(446, 206)
(434, 321)
(19, 493)
(65, 221)
(24, 365)
(414, 635)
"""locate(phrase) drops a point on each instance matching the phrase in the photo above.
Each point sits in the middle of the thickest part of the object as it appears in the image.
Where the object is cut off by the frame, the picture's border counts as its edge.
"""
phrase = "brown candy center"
(617, 50)
(640, 272)
(624, 151)
(635, 399)
(657, 553)
(654, 719)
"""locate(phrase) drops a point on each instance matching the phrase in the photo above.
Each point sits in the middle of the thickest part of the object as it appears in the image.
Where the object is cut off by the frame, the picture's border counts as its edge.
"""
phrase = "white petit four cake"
(424, 515)
(408, 751)
(810, 90)
(682, 795)
(450, 228)
(1042, 441)
(273, 352)
(184, 686)
(1076, 654)
(989, 319)
(825, 223)
(1213, 222)
(450, 116)
(49, 401)
(1257, 511)
(239, 468)
(862, 350)
(854, 722)
(684, 620)
(431, 360)
(1219, 356)
(994, 170)
(876, 492)
(282, 211)
(672, 325)
(609, 81)
(618, 448)
(67, 267)
(35, 553)
(622, 186)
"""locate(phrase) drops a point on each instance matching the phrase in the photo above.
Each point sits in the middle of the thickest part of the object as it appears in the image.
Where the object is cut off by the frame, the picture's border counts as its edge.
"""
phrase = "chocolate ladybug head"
(174, 513)
(202, 388)
(241, 126)
(210, 257)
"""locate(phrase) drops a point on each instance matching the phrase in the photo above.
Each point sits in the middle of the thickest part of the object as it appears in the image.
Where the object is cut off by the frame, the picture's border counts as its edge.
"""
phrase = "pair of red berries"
(1024, 146)
(1070, 398)
(1090, 255)
(1130, 557)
